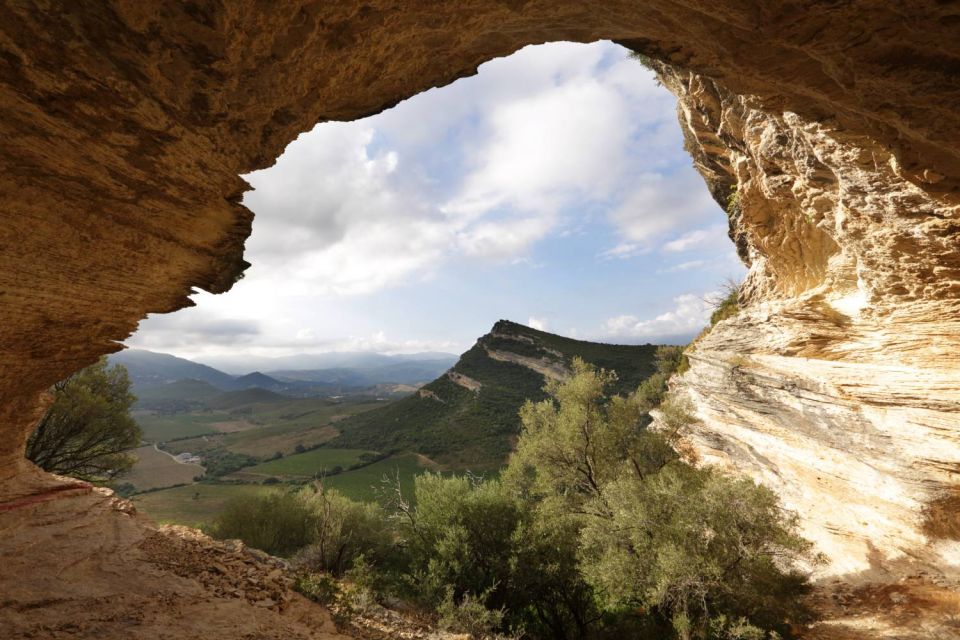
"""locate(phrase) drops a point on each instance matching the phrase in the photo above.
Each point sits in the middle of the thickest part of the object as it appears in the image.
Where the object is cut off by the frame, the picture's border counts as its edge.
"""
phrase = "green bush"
(278, 523)
(686, 544)
(478, 553)
(318, 587)
(727, 305)
(342, 530)
(469, 615)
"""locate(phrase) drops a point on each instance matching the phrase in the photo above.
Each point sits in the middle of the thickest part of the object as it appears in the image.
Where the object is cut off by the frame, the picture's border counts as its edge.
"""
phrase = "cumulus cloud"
(554, 142)
(690, 313)
(192, 326)
(539, 324)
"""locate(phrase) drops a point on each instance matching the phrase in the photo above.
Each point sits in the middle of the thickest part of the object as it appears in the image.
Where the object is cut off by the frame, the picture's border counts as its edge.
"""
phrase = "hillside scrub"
(596, 529)
(727, 303)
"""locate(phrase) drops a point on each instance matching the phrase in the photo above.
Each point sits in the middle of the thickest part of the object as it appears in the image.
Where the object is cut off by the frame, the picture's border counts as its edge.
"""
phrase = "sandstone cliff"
(837, 124)
(838, 382)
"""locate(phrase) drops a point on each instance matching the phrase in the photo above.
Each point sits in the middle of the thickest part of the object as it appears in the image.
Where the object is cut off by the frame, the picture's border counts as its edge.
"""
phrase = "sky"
(551, 189)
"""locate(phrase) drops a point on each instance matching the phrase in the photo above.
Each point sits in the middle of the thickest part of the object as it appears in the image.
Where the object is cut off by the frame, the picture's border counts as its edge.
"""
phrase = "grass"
(366, 483)
(199, 504)
(194, 505)
(155, 469)
(160, 428)
(309, 464)
(727, 305)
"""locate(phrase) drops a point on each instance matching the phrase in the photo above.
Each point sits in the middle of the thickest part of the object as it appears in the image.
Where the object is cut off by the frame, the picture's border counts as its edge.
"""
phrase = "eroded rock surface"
(838, 383)
(88, 566)
(125, 125)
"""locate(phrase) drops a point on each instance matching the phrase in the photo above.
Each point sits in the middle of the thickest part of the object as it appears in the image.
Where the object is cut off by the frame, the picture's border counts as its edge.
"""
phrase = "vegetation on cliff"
(596, 529)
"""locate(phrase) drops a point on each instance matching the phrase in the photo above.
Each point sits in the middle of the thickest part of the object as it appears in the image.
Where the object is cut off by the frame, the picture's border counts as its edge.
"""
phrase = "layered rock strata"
(835, 126)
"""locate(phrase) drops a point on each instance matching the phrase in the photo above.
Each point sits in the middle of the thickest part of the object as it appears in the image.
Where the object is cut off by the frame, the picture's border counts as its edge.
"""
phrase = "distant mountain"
(162, 380)
(244, 397)
(150, 369)
(406, 372)
(320, 361)
(187, 389)
(468, 417)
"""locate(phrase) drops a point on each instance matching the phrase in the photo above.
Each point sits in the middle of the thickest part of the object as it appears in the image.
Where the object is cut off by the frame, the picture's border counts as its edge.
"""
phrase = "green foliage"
(733, 202)
(318, 587)
(343, 530)
(221, 462)
(326, 530)
(469, 615)
(314, 463)
(87, 431)
(688, 544)
(483, 557)
(278, 523)
(474, 429)
(645, 60)
(727, 305)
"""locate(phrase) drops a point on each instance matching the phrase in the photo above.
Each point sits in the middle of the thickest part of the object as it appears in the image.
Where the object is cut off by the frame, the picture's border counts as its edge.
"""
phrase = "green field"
(155, 469)
(309, 464)
(160, 428)
(193, 505)
(367, 483)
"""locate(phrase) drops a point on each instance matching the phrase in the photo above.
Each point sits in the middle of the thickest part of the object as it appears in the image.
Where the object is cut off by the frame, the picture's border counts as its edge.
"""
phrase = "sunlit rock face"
(838, 384)
(125, 124)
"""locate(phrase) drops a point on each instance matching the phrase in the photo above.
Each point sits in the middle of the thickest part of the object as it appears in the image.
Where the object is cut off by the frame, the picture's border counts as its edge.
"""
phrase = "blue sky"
(552, 189)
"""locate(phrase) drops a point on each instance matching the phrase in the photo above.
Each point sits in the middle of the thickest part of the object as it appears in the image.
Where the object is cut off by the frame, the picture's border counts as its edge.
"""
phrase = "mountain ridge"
(468, 416)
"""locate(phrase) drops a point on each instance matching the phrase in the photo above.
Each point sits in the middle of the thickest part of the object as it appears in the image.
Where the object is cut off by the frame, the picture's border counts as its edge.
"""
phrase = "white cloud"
(658, 205)
(688, 316)
(543, 151)
(540, 324)
(698, 238)
(553, 143)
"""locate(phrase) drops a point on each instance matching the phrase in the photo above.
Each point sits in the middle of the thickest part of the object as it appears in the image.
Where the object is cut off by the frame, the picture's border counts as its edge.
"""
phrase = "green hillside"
(470, 422)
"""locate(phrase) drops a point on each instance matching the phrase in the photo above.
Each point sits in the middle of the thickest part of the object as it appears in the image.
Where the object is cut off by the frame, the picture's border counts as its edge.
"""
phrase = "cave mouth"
(551, 188)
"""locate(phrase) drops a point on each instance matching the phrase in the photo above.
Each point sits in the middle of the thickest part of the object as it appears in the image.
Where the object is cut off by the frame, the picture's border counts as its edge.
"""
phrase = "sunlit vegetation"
(727, 303)
(314, 464)
(596, 529)
(475, 430)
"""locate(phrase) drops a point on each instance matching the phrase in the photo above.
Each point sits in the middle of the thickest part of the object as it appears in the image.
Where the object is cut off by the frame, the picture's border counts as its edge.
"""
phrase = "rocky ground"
(117, 575)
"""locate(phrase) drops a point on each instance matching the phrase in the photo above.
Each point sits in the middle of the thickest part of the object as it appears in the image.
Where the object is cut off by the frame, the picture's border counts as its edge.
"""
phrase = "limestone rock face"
(838, 383)
(125, 125)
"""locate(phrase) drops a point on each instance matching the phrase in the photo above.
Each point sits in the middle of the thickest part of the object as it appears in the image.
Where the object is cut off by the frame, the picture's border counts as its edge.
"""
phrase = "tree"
(343, 530)
(480, 553)
(278, 523)
(88, 429)
(705, 552)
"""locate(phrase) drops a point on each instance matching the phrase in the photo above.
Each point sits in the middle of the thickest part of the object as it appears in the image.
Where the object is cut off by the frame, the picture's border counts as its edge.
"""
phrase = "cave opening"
(123, 154)
(550, 188)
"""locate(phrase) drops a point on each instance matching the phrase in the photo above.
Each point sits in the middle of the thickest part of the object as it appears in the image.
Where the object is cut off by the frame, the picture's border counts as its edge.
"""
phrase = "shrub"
(278, 523)
(480, 553)
(727, 305)
(318, 587)
(686, 544)
(469, 615)
(342, 530)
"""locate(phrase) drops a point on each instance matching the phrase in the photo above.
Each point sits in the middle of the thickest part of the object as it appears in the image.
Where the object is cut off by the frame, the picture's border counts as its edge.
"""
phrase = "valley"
(380, 425)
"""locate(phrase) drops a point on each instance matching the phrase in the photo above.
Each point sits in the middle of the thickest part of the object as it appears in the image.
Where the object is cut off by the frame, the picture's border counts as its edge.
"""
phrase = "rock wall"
(838, 383)
(125, 124)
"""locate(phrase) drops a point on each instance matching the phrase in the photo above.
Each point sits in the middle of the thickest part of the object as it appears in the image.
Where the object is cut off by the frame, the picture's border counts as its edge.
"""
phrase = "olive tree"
(87, 432)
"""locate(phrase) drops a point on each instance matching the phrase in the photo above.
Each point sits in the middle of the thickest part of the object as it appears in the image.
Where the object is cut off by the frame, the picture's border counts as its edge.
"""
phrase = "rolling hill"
(468, 416)
(151, 369)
